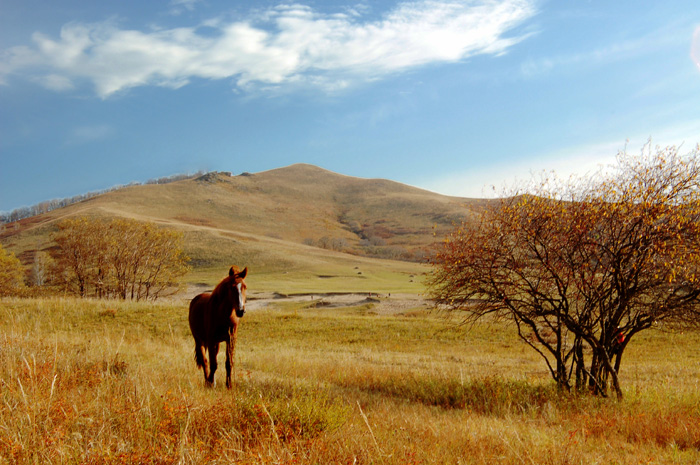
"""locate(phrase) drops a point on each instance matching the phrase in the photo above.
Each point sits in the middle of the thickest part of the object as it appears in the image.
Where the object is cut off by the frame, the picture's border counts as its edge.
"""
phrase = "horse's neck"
(218, 305)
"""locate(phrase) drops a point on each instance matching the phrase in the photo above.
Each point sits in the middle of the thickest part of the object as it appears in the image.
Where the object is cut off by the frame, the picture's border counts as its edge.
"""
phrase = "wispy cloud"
(491, 179)
(178, 7)
(55, 82)
(90, 133)
(695, 47)
(651, 42)
(288, 44)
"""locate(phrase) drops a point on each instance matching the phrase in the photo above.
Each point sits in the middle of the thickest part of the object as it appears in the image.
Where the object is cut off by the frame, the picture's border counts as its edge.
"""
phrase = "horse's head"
(237, 287)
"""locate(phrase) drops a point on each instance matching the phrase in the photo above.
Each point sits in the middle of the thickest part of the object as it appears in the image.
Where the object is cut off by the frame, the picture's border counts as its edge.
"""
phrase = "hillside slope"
(300, 219)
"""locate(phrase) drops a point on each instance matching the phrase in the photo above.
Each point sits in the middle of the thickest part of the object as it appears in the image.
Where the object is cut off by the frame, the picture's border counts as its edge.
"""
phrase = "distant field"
(112, 382)
(376, 276)
(279, 266)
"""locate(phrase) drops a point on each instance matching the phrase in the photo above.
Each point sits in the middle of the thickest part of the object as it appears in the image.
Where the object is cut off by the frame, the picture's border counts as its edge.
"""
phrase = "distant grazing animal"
(214, 318)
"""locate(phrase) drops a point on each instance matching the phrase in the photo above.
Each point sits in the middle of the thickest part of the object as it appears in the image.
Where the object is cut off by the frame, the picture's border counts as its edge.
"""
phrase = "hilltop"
(300, 218)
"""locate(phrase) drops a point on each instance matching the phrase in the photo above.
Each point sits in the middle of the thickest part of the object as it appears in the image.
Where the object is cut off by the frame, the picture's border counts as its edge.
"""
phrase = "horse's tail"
(199, 355)
(195, 319)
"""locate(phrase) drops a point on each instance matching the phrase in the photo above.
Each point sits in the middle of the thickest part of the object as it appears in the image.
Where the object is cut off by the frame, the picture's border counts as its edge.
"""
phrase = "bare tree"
(119, 258)
(40, 268)
(585, 264)
(82, 243)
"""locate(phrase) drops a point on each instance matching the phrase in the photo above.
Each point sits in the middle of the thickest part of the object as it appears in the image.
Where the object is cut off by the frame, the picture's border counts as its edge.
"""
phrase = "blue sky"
(452, 96)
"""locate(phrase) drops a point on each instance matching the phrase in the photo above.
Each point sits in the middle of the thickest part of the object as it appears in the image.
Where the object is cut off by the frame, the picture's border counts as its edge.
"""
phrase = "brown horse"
(214, 318)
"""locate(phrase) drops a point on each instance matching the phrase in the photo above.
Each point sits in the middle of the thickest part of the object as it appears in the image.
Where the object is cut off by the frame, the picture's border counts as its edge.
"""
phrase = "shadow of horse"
(214, 318)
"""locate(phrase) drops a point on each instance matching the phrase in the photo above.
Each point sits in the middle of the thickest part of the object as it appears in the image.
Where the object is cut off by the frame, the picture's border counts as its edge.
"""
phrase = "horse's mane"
(218, 290)
(216, 294)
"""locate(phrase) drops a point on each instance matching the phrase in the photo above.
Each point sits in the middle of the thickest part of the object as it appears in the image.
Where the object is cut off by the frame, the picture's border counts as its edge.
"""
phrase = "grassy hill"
(299, 228)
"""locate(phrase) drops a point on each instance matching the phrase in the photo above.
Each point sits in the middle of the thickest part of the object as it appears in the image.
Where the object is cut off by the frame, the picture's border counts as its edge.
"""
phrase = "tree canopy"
(581, 267)
(120, 258)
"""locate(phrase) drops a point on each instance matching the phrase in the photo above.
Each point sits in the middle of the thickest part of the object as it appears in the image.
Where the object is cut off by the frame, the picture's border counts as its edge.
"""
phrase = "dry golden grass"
(110, 382)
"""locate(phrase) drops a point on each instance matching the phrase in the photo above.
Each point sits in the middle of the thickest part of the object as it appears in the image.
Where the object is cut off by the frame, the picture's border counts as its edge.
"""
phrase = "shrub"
(11, 274)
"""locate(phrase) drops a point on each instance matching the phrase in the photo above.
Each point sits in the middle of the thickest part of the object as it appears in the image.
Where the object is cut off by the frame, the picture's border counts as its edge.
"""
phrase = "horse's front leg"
(230, 353)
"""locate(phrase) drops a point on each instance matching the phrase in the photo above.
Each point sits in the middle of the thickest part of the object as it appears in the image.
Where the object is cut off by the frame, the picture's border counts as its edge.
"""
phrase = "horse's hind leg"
(213, 352)
(201, 360)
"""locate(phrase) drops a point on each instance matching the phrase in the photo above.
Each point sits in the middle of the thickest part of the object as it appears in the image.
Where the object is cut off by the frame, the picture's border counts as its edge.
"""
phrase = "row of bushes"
(119, 258)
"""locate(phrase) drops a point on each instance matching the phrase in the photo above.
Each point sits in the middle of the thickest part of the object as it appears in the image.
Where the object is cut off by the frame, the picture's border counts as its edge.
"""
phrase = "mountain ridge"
(273, 217)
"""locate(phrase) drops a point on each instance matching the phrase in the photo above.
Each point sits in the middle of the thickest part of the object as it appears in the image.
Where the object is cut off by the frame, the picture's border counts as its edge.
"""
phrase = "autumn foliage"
(11, 274)
(581, 267)
(120, 258)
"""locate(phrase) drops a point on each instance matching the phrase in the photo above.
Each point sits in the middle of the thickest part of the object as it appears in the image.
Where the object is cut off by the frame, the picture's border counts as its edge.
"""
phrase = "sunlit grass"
(114, 382)
(322, 271)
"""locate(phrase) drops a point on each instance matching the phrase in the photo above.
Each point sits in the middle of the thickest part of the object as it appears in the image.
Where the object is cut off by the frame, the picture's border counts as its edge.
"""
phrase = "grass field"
(278, 266)
(111, 382)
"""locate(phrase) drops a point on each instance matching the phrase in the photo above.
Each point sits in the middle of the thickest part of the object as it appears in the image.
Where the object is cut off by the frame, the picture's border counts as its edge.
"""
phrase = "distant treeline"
(49, 205)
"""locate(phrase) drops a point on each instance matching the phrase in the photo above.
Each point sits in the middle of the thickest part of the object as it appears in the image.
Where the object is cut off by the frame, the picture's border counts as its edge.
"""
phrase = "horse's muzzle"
(240, 313)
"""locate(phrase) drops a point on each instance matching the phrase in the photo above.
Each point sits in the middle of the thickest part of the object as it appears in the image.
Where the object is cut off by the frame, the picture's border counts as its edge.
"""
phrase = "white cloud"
(188, 4)
(491, 178)
(180, 6)
(56, 82)
(291, 44)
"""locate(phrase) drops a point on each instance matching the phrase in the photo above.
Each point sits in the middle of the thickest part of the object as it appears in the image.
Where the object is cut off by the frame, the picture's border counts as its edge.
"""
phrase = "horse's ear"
(231, 272)
(243, 273)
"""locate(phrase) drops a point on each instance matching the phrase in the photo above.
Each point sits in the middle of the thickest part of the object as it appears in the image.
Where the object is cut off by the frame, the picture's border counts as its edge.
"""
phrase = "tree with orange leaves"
(581, 267)
(119, 258)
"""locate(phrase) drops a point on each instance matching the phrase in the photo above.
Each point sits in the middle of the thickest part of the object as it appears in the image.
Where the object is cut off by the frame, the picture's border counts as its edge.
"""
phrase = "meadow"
(100, 382)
